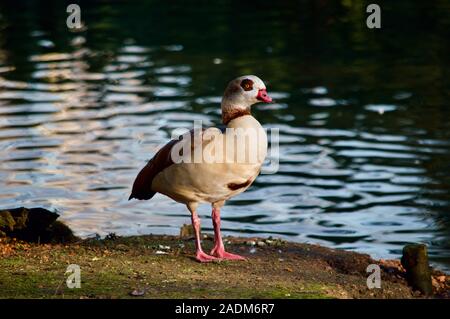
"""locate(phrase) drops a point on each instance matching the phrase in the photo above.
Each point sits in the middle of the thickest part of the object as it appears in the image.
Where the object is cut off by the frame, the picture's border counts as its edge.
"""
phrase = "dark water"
(364, 116)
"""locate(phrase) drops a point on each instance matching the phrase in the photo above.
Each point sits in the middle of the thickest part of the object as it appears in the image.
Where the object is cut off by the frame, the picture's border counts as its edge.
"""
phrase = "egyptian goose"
(228, 163)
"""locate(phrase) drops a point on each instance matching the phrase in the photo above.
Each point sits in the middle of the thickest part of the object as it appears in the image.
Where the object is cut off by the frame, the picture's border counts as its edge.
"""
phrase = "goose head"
(241, 93)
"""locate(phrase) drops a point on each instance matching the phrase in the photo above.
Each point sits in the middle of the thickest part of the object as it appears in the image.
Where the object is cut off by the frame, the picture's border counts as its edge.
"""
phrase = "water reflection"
(364, 132)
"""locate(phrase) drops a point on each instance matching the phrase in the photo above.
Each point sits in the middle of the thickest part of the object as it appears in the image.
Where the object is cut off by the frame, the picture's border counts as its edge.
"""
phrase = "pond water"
(364, 115)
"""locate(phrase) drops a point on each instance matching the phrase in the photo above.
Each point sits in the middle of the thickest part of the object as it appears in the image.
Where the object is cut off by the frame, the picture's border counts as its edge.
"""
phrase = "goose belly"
(202, 182)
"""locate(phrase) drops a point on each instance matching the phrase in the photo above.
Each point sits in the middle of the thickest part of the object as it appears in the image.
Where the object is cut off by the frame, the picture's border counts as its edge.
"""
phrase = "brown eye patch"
(247, 84)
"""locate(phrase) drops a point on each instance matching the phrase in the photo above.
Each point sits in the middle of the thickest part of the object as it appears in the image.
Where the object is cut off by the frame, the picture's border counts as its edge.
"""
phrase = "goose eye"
(247, 84)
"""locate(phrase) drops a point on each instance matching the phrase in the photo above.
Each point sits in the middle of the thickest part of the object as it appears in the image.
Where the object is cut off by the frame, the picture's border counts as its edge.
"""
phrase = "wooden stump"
(187, 231)
(415, 262)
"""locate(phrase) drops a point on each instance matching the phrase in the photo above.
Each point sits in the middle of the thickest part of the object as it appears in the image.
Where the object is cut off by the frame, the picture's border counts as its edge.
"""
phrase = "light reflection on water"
(356, 172)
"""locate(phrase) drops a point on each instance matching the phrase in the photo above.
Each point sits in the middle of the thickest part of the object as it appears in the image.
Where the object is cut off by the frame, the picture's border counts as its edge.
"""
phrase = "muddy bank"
(163, 267)
(34, 225)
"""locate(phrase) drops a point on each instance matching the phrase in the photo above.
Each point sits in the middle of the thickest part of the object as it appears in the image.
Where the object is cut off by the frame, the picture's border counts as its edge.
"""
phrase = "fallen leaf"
(441, 278)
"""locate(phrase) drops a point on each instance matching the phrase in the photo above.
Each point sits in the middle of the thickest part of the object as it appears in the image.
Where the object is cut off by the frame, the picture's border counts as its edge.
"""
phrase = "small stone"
(122, 247)
(208, 237)
(187, 231)
(162, 247)
(160, 252)
(250, 243)
(111, 236)
(137, 292)
(261, 243)
(441, 278)
(169, 280)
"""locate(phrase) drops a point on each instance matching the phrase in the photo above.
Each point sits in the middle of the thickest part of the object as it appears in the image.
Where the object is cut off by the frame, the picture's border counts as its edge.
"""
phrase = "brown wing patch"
(143, 182)
(247, 84)
(162, 159)
(235, 186)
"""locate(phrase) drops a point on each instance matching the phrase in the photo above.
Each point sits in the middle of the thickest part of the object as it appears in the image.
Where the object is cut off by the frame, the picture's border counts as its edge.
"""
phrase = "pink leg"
(219, 249)
(200, 255)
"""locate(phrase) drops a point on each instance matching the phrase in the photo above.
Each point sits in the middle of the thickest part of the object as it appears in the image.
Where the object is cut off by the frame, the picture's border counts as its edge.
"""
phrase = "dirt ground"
(163, 267)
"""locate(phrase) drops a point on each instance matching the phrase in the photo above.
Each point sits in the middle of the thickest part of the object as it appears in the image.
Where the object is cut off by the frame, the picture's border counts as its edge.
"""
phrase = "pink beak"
(263, 96)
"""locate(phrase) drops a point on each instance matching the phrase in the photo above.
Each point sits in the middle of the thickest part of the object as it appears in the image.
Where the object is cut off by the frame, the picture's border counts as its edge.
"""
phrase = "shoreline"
(162, 266)
(208, 234)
